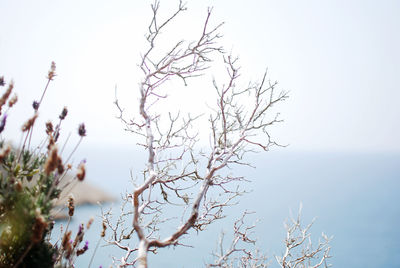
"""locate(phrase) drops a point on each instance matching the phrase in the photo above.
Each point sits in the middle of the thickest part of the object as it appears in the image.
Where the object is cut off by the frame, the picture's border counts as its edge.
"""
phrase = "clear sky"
(340, 60)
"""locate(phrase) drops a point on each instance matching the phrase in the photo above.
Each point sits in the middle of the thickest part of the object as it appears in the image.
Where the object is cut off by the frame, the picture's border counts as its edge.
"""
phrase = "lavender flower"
(86, 247)
(82, 130)
(3, 122)
(35, 105)
(63, 113)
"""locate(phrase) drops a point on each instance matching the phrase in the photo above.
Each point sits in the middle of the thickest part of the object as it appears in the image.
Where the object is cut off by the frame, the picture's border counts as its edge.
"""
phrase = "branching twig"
(240, 122)
(299, 250)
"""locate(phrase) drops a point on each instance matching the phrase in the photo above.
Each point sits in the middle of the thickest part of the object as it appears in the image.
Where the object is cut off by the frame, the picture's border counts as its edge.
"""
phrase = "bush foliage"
(31, 180)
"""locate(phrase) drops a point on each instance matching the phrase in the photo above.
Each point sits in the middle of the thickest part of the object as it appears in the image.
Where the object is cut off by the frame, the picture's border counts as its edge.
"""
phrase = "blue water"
(354, 196)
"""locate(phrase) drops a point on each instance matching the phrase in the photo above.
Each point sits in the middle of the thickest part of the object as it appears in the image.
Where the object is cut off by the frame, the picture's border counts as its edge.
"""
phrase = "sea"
(352, 197)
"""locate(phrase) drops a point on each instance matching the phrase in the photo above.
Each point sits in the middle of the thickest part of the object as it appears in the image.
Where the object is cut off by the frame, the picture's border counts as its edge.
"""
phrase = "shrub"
(31, 180)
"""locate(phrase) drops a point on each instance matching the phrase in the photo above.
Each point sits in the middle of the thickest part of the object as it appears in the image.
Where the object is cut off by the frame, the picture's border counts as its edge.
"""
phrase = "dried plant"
(299, 251)
(31, 180)
(179, 172)
(242, 251)
(192, 181)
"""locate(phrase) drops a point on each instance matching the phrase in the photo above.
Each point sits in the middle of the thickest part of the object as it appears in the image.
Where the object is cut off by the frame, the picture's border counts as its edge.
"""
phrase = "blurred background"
(339, 60)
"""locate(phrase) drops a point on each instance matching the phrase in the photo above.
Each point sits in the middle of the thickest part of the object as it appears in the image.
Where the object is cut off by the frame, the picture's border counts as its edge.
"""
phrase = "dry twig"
(176, 173)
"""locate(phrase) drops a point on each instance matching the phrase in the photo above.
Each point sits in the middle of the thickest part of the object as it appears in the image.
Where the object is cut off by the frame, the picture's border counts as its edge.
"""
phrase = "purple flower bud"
(82, 130)
(3, 122)
(86, 247)
(63, 113)
(35, 105)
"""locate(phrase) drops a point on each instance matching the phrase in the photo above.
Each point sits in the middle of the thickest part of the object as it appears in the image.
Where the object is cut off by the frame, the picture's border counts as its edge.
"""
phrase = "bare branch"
(177, 174)
(238, 253)
(299, 250)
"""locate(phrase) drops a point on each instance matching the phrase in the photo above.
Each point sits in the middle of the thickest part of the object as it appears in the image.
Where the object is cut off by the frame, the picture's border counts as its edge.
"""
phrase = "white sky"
(339, 60)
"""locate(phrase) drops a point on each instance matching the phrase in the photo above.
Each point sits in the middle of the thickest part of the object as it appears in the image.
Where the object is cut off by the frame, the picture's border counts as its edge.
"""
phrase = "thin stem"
(94, 253)
(73, 151)
(30, 138)
(44, 92)
(65, 143)
(23, 146)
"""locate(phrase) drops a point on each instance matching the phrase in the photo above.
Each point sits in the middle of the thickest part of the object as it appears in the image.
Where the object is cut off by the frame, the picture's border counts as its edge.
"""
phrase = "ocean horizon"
(352, 196)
